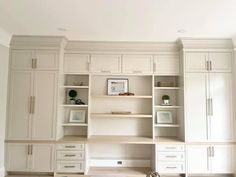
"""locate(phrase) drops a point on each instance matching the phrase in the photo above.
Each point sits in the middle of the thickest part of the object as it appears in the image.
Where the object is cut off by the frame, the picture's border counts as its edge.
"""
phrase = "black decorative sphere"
(72, 93)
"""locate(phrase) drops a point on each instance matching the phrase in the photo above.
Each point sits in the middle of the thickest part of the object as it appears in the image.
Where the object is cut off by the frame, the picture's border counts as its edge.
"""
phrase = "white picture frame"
(116, 86)
(164, 117)
(77, 116)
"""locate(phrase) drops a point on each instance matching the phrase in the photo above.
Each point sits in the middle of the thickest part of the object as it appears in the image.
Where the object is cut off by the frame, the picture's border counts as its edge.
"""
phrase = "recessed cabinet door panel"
(19, 106)
(221, 62)
(105, 63)
(196, 62)
(221, 107)
(21, 59)
(46, 59)
(166, 64)
(137, 64)
(195, 103)
(17, 157)
(42, 158)
(198, 161)
(76, 63)
(44, 106)
(223, 159)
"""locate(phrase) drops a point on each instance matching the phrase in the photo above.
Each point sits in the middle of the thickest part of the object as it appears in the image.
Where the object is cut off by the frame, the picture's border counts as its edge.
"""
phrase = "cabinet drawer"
(78, 147)
(71, 167)
(170, 167)
(170, 156)
(70, 155)
(170, 148)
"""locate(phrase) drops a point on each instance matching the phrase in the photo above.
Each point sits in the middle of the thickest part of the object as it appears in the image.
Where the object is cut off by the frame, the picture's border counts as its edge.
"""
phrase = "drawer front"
(170, 156)
(78, 147)
(170, 148)
(70, 167)
(171, 167)
(70, 155)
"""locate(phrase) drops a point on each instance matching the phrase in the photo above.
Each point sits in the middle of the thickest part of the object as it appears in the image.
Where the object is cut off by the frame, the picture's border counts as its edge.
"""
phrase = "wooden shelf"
(168, 107)
(118, 96)
(74, 105)
(74, 124)
(167, 125)
(167, 88)
(121, 115)
(166, 139)
(75, 87)
(118, 171)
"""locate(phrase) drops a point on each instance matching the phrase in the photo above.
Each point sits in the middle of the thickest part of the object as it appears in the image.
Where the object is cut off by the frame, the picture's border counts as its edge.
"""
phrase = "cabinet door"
(46, 59)
(221, 62)
(196, 62)
(166, 64)
(19, 117)
(44, 105)
(76, 63)
(22, 59)
(195, 104)
(17, 157)
(42, 158)
(223, 159)
(221, 107)
(106, 63)
(137, 64)
(198, 160)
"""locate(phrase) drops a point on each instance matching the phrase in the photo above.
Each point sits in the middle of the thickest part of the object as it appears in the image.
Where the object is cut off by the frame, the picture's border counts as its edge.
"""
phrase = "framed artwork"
(164, 117)
(77, 116)
(117, 86)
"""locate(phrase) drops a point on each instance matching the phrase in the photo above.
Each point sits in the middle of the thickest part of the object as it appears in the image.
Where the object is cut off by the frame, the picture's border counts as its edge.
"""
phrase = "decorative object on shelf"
(121, 112)
(76, 83)
(164, 117)
(166, 100)
(77, 116)
(72, 94)
(79, 101)
(126, 94)
(117, 86)
(165, 84)
(153, 174)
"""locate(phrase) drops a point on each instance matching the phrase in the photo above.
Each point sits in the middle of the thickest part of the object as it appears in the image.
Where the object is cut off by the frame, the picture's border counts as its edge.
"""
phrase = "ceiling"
(120, 20)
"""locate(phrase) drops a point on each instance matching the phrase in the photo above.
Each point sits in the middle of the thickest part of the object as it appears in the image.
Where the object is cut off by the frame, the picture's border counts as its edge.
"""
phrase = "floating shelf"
(74, 124)
(74, 105)
(167, 139)
(167, 125)
(167, 88)
(121, 115)
(118, 96)
(76, 87)
(168, 107)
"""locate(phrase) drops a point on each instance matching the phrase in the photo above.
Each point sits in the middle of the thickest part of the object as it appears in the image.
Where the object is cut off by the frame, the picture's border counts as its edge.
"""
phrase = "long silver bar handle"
(211, 103)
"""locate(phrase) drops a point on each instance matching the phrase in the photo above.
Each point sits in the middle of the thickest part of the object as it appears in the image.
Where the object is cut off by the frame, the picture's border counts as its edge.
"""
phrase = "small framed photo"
(164, 117)
(117, 86)
(77, 116)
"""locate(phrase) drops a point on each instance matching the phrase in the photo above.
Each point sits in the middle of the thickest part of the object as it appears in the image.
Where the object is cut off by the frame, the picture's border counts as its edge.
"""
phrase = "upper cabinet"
(208, 61)
(34, 60)
(105, 63)
(137, 64)
(76, 63)
(166, 64)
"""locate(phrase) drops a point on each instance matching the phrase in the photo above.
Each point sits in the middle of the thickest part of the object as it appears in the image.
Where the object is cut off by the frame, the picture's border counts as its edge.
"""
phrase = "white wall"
(4, 60)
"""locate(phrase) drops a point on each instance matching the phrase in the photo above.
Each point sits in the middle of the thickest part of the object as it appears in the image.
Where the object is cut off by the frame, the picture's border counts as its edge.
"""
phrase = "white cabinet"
(30, 157)
(210, 159)
(166, 64)
(32, 105)
(34, 60)
(105, 63)
(208, 61)
(76, 63)
(137, 64)
(208, 102)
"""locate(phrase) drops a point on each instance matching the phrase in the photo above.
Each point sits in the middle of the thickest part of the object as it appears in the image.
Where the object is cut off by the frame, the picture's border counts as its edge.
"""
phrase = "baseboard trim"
(2, 172)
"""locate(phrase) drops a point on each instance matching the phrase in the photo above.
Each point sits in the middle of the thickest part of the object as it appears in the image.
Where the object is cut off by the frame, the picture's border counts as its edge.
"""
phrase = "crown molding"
(5, 37)
(37, 42)
(147, 47)
(201, 43)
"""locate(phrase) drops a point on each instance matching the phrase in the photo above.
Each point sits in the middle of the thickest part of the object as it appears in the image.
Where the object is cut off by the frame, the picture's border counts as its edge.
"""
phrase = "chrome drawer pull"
(170, 147)
(70, 155)
(69, 166)
(171, 167)
(105, 71)
(70, 146)
(171, 156)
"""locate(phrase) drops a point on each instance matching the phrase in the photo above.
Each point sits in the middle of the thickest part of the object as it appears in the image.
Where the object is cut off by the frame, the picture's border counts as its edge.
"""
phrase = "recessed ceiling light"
(181, 31)
(62, 29)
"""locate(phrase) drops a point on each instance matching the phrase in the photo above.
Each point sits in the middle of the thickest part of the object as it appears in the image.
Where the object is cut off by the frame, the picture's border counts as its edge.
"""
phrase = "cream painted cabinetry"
(76, 63)
(34, 59)
(210, 159)
(30, 157)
